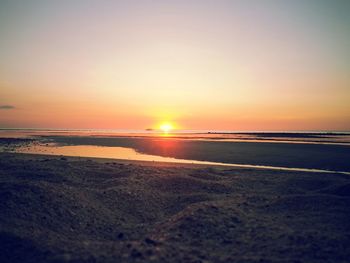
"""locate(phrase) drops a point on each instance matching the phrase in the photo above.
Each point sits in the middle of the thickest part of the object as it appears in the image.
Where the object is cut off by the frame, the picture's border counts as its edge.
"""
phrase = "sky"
(267, 65)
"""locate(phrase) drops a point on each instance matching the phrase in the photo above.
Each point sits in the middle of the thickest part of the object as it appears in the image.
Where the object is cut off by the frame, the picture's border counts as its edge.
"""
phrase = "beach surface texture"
(65, 209)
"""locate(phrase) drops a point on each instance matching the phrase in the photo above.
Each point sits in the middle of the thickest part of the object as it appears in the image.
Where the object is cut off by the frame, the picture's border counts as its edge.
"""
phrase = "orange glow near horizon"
(204, 65)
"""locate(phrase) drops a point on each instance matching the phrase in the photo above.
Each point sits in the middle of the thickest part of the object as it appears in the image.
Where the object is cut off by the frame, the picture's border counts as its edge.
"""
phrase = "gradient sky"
(235, 65)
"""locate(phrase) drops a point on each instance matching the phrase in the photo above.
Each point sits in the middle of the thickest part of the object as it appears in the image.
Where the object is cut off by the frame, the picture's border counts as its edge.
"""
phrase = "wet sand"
(310, 156)
(65, 209)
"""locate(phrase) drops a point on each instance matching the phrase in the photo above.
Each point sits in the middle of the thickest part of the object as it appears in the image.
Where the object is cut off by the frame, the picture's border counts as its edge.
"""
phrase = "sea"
(272, 150)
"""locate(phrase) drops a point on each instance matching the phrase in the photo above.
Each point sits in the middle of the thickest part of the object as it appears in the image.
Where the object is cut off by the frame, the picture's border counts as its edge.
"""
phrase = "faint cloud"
(6, 107)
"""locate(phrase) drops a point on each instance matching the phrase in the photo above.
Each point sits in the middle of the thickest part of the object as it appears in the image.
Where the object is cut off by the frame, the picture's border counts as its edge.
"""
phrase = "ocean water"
(337, 137)
(125, 153)
(294, 151)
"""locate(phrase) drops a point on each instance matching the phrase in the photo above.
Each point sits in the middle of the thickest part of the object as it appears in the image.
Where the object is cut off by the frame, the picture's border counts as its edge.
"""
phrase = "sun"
(166, 127)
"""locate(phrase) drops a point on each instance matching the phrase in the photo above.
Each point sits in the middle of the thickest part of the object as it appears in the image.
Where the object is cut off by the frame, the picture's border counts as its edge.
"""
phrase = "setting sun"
(166, 127)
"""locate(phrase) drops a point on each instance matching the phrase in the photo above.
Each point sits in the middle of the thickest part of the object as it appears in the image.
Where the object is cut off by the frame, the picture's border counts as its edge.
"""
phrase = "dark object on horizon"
(7, 107)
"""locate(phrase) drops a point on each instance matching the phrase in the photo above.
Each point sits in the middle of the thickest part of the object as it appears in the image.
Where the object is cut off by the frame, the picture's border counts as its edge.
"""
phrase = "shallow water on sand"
(94, 151)
(125, 153)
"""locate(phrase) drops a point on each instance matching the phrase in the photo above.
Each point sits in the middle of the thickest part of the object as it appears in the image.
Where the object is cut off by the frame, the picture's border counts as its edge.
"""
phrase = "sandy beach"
(64, 209)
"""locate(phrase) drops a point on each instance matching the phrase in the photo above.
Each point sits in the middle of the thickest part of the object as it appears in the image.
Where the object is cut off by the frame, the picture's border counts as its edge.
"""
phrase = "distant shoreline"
(176, 131)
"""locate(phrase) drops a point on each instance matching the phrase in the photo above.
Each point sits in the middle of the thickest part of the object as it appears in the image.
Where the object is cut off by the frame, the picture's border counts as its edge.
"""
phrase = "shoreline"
(308, 156)
(260, 155)
(190, 163)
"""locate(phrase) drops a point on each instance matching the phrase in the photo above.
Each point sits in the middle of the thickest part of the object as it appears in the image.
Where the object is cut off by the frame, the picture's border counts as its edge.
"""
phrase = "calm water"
(124, 153)
(88, 143)
(318, 137)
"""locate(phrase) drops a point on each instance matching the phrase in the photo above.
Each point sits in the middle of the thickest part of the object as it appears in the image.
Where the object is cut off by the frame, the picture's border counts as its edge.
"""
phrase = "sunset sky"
(233, 65)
